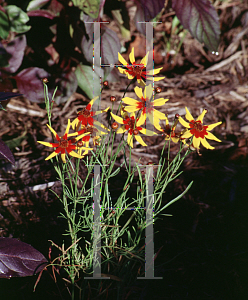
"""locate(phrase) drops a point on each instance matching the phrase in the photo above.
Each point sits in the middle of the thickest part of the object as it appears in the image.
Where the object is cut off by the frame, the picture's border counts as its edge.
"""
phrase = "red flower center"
(63, 143)
(137, 70)
(130, 124)
(85, 113)
(198, 129)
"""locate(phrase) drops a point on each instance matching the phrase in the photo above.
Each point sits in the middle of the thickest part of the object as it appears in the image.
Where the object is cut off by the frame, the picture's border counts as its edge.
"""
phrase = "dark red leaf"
(41, 13)
(201, 19)
(18, 259)
(6, 153)
(15, 49)
(5, 96)
(146, 10)
(29, 83)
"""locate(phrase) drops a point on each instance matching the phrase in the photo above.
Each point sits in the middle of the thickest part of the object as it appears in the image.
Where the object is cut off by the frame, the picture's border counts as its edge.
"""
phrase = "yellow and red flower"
(133, 126)
(170, 132)
(199, 131)
(63, 144)
(94, 133)
(137, 71)
(85, 116)
(146, 105)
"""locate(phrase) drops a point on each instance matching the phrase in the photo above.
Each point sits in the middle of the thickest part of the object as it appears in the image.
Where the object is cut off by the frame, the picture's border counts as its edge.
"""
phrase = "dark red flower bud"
(112, 99)
(177, 116)
(45, 80)
(80, 144)
(136, 131)
(105, 83)
(158, 90)
(114, 125)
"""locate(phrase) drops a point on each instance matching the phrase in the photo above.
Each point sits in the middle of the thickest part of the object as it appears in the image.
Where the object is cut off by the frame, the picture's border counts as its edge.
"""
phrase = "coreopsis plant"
(78, 193)
(138, 71)
(198, 131)
(146, 105)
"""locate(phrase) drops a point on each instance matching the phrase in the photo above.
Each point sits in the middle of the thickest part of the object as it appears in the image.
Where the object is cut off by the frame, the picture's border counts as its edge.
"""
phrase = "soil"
(204, 246)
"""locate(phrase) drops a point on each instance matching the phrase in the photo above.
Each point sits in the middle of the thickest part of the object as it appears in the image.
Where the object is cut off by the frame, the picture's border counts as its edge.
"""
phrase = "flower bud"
(177, 116)
(158, 90)
(112, 98)
(114, 125)
(45, 80)
(80, 144)
(136, 131)
(105, 83)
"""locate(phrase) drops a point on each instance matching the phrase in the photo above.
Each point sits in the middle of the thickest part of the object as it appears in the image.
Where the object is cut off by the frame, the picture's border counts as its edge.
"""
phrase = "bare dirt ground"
(205, 245)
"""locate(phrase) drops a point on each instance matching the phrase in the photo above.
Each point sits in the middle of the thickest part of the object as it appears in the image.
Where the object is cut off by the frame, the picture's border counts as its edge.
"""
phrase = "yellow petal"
(46, 144)
(212, 126)
(74, 154)
(188, 116)
(130, 140)
(148, 93)
(141, 82)
(122, 71)
(196, 142)
(159, 115)
(51, 155)
(139, 139)
(52, 130)
(160, 101)
(131, 108)
(212, 137)
(93, 100)
(184, 123)
(74, 123)
(117, 118)
(130, 101)
(138, 92)
(206, 144)
(122, 129)
(141, 120)
(200, 118)
(155, 78)
(68, 126)
(82, 135)
(131, 56)
(154, 71)
(148, 132)
(63, 157)
(122, 60)
(144, 59)
(186, 135)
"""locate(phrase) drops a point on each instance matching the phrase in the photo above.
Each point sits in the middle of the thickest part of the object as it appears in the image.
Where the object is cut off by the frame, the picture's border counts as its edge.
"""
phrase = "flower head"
(146, 105)
(133, 126)
(199, 131)
(85, 116)
(137, 71)
(93, 132)
(170, 133)
(63, 144)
